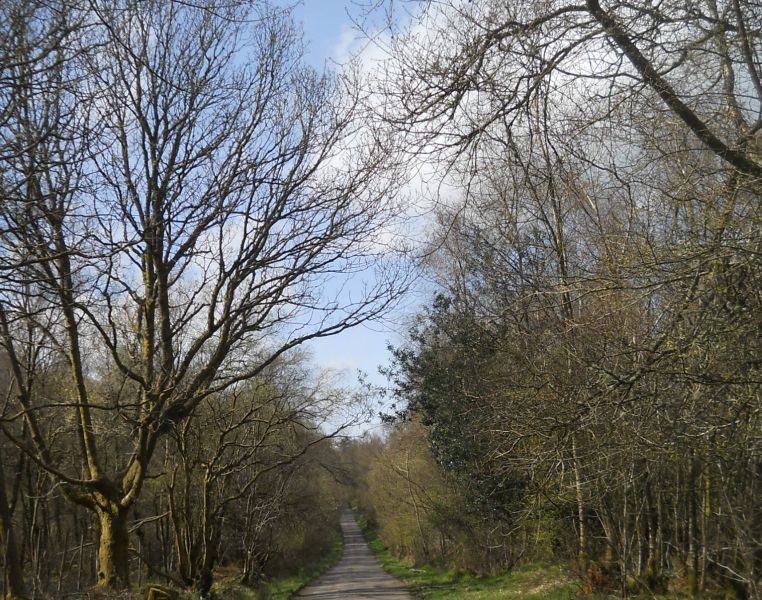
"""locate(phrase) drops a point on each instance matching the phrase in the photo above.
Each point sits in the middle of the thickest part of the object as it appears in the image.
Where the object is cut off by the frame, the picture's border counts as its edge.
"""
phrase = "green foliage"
(426, 515)
(286, 584)
(283, 587)
(438, 376)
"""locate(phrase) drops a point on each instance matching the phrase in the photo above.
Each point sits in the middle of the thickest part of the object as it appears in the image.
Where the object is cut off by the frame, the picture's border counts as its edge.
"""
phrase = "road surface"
(358, 575)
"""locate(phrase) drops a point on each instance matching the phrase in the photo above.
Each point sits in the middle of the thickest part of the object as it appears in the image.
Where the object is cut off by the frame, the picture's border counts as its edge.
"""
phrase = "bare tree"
(184, 202)
(265, 429)
(594, 270)
(463, 72)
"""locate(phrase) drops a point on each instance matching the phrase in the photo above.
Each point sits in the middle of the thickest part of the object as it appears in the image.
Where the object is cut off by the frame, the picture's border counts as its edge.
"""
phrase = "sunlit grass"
(531, 582)
(537, 581)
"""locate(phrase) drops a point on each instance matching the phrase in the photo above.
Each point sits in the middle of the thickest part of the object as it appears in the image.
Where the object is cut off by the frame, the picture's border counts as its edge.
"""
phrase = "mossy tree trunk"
(113, 548)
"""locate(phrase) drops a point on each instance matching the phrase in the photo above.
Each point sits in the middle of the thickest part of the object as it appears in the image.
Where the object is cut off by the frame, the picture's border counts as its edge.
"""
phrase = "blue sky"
(328, 33)
(330, 37)
(326, 26)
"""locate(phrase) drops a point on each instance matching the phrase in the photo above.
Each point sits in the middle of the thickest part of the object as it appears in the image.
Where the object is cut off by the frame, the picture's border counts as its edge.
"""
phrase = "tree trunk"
(205, 578)
(654, 559)
(113, 549)
(706, 516)
(693, 562)
(184, 566)
(12, 576)
(582, 547)
(210, 535)
(625, 558)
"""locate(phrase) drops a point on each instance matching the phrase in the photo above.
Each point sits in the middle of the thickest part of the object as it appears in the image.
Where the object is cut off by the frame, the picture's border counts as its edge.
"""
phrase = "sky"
(328, 29)
(330, 35)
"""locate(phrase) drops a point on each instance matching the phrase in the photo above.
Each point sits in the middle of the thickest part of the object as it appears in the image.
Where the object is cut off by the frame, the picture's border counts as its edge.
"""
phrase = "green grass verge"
(531, 582)
(537, 581)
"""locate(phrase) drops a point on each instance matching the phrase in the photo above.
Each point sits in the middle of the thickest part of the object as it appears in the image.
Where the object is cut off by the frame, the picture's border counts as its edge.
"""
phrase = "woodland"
(185, 205)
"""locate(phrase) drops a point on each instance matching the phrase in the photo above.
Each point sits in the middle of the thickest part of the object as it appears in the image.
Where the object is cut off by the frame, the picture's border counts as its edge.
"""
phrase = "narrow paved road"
(358, 575)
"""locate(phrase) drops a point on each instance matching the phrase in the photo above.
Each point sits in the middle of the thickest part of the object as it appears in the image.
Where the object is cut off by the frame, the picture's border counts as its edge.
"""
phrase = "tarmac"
(358, 575)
